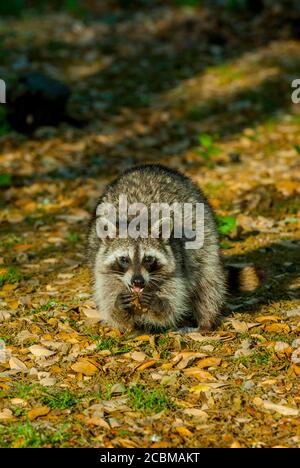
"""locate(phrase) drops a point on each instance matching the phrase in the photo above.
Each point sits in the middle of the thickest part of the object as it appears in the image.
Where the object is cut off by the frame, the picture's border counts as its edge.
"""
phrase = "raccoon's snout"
(137, 283)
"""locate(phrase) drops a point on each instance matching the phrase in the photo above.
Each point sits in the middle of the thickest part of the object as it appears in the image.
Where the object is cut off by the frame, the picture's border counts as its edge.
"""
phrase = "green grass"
(73, 237)
(149, 401)
(19, 411)
(259, 358)
(44, 307)
(112, 344)
(26, 435)
(12, 240)
(123, 433)
(11, 275)
(207, 149)
(5, 178)
(62, 399)
(163, 343)
(22, 390)
(226, 224)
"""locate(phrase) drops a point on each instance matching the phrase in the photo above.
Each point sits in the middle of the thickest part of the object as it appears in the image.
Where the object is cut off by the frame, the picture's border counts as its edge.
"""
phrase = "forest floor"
(199, 92)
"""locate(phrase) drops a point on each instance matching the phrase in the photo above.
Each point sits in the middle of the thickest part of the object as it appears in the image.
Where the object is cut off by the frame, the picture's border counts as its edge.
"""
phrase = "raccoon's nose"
(138, 283)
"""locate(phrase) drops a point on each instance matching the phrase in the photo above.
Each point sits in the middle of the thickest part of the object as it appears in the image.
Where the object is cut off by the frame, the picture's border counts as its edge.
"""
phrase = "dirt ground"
(204, 91)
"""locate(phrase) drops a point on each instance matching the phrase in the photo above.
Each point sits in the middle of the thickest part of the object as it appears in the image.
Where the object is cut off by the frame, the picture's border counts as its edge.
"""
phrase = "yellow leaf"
(277, 328)
(84, 367)
(143, 338)
(199, 374)
(208, 362)
(37, 412)
(295, 369)
(235, 444)
(267, 318)
(183, 431)
(197, 389)
(146, 364)
(6, 415)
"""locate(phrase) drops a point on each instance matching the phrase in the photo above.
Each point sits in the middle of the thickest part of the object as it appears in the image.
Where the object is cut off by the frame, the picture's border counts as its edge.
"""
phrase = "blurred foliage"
(226, 224)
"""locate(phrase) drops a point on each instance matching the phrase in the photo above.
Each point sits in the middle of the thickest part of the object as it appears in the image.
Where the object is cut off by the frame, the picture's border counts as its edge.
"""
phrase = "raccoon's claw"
(146, 299)
(124, 301)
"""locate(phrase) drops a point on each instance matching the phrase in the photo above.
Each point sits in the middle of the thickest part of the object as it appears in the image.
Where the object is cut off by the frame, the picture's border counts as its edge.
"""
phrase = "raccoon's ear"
(162, 229)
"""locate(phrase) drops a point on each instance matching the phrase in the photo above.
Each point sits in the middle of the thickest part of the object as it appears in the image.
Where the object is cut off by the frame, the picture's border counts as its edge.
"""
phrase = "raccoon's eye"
(123, 261)
(149, 260)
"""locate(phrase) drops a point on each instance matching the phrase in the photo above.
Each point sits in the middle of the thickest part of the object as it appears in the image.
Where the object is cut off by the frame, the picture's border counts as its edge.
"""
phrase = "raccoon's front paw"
(124, 301)
(122, 315)
(151, 301)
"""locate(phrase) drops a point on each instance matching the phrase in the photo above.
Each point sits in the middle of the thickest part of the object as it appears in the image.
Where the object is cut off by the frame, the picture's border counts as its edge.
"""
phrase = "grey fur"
(193, 287)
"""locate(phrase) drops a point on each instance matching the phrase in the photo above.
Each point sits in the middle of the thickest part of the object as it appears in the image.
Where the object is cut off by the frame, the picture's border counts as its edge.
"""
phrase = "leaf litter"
(66, 379)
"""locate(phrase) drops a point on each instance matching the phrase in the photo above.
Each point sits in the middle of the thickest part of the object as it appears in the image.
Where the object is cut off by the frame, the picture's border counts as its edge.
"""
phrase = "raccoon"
(156, 283)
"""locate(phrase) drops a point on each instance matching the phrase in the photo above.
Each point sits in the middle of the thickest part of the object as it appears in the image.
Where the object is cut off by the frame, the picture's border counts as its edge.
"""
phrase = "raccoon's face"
(139, 265)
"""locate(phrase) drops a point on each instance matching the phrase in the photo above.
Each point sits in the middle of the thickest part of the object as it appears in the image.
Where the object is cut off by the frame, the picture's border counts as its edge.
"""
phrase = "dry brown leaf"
(281, 409)
(18, 402)
(37, 412)
(138, 356)
(196, 413)
(186, 357)
(40, 351)
(196, 336)
(97, 421)
(84, 367)
(277, 328)
(6, 415)
(241, 327)
(92, 314)
(199, 374)
(208, 362)
(145, 365)
(268, 318)
(183, 431)
(17, 364)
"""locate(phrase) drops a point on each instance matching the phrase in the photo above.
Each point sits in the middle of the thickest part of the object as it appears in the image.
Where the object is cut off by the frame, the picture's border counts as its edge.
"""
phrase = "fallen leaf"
(40, 351)
(17, 364)
(183, 431)
(84, 367)
(97, 421)
(197, 389)
(244, 350)
(281, 347)
(268, 318)
(6, 415)
(295, 358)
(281, 409)
(146, 364)
(293, 312)
(199, 374)
(277, 328)
(196, 413)
(138, 356)
(208, 362)
(241, 327)
(37, 412)
(92, 314)
(117, 388)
